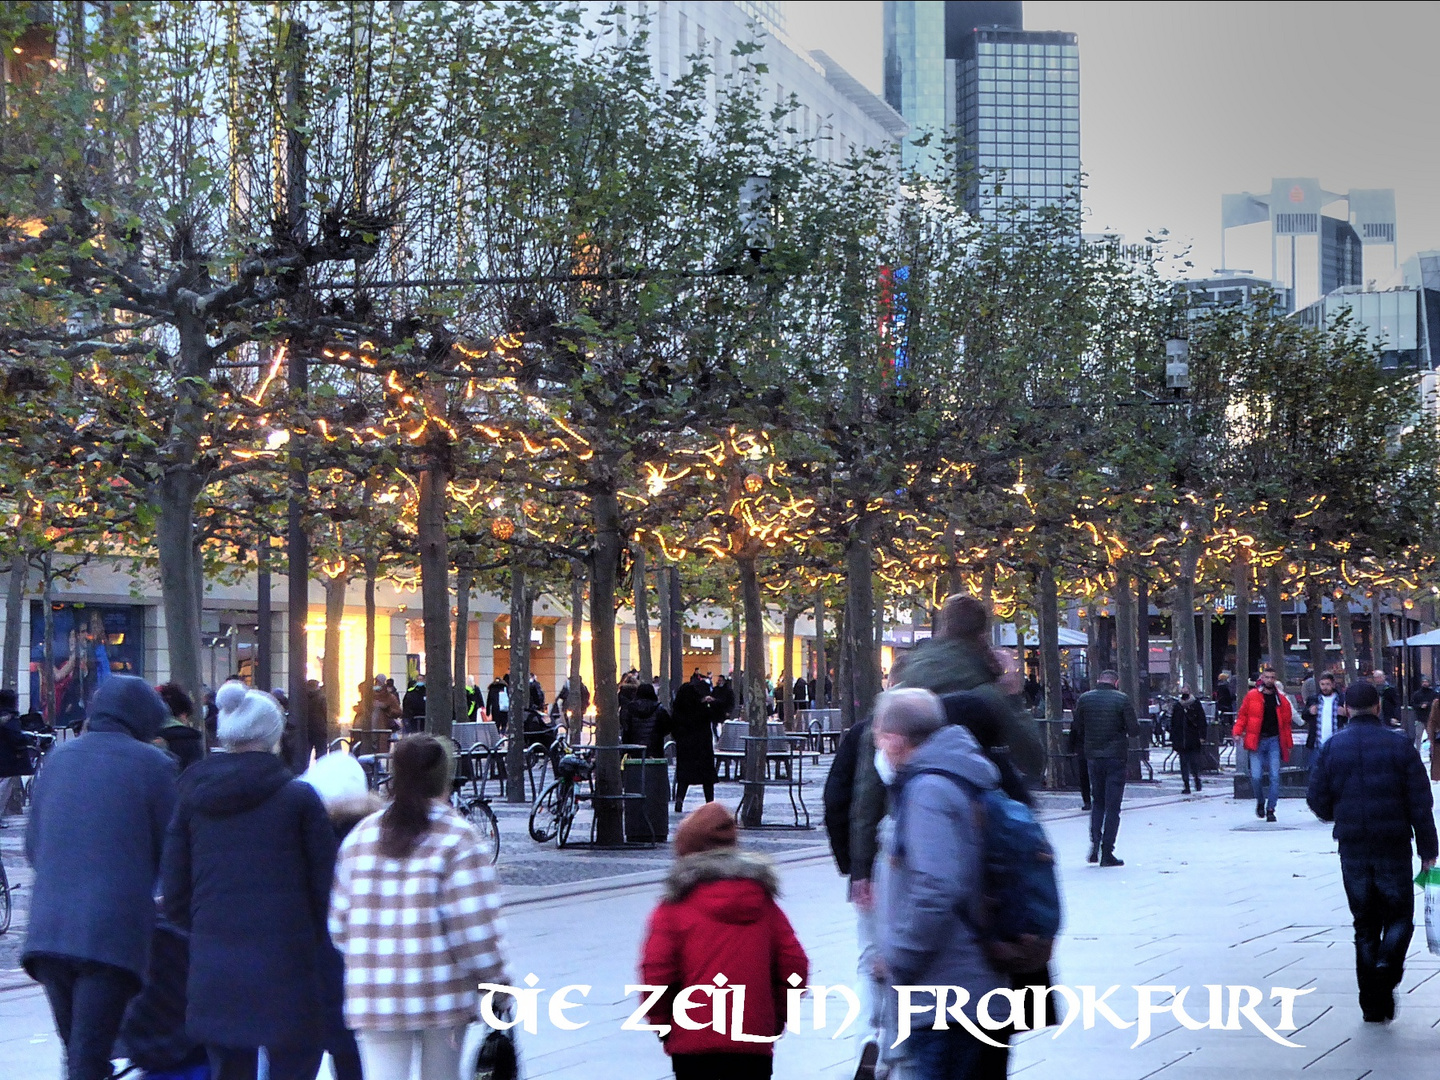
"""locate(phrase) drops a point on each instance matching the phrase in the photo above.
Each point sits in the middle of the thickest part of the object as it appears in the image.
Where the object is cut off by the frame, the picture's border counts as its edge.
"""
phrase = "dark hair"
(9, 700)
(176, 699)
(1268, 667)
(963, 618)
(1108, 676)
(420, 770)
(646, 692)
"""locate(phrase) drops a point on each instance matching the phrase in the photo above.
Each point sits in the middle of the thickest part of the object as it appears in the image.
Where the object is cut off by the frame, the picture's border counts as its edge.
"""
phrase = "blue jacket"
(929, 871)
(97, 827)
(248, 865)
(1370, 782)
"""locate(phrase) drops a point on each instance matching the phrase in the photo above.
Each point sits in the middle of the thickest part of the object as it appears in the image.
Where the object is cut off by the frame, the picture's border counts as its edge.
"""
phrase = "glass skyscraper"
(1010, 97)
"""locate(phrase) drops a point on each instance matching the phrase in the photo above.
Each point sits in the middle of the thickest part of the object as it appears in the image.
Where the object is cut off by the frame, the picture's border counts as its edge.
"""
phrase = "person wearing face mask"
(1187, 736)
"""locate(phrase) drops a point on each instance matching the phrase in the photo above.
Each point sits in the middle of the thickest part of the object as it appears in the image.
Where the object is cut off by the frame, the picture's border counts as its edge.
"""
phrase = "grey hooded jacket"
(929, 871)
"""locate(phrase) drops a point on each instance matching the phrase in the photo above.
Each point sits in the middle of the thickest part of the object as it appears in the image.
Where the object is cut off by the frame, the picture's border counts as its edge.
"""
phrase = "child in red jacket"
(719, 918)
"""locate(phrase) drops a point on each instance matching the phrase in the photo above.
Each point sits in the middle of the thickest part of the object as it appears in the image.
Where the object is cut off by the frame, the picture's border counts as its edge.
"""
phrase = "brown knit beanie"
(712, 826)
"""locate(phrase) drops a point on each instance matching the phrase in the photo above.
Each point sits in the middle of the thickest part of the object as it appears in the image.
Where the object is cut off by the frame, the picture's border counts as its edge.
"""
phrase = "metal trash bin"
(647, 820)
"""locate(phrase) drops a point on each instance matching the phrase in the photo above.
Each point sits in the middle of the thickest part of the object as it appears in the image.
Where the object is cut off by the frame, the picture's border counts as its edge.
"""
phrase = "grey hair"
(910, 712)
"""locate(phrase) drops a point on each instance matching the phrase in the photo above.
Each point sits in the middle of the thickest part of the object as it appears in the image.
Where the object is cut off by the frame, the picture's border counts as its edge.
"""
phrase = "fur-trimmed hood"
(720, 864)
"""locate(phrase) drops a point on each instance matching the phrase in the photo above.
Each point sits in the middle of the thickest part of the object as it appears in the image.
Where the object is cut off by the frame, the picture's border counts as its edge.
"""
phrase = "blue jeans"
(1267, 760)
(1382, 900)
(951, 1054)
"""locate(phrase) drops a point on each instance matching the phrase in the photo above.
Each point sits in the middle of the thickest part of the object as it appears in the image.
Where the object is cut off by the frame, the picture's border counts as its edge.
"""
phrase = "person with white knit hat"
(247, 868)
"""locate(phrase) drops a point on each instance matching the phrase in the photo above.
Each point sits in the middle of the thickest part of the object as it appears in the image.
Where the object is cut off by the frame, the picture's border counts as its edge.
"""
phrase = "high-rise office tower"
(1010, 97)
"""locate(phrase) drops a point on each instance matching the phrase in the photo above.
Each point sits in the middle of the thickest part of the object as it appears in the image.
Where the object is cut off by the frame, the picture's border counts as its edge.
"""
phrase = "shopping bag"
(1429, 880)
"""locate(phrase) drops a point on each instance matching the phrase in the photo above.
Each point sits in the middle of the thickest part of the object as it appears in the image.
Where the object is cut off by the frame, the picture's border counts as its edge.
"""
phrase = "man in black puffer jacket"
(1369, 781)
(1107, 718)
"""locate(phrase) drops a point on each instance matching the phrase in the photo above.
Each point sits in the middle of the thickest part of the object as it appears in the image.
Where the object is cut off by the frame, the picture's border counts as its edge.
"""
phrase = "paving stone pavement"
(1208, 896)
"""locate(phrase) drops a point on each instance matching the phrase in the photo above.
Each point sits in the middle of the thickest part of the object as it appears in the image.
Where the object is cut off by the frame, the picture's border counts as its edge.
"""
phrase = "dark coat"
(1107, 720)
(1224, 698)
(1370, 782)
(1389, 704)
(184, 742)
(645, 722)
(98, 814)
(1187, 726)
(248, 864)
(14, 747)
(840, 792)
(492, 701)
(1312, 720)
(690, 720)
(412, 706)
(724, 695)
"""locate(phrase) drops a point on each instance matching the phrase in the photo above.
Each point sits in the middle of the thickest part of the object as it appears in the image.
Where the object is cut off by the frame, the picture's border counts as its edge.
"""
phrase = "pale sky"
(1181, 102)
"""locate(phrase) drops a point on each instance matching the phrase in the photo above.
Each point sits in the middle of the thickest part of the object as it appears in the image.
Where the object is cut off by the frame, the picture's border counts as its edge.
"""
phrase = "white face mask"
(884, 768)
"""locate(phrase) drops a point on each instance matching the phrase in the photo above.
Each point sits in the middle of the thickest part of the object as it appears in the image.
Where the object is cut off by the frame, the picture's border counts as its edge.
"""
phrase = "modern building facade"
(1009, 96)
(1237, 290)
(1403, 323)
(828, 107)
(1312, 251)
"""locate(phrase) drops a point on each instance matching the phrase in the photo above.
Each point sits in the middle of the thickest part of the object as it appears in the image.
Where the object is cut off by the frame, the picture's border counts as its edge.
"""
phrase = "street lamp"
(756, 226)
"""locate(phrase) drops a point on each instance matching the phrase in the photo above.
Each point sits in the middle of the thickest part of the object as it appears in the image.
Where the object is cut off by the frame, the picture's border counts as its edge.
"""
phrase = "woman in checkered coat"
(415, 913)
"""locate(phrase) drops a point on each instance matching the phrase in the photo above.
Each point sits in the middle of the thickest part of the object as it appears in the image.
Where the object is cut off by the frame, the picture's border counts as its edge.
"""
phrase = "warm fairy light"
(502, 528)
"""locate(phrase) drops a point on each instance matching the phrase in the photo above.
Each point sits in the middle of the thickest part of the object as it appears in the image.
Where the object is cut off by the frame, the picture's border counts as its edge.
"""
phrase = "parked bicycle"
(553, 814)
(476, 810)
(5, 904)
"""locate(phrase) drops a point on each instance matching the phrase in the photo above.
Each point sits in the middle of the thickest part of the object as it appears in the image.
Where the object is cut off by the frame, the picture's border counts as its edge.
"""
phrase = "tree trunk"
(1182, 618)
(859, 608)
(662, 592)
(1127, 648)
(521, 608)
(464, 582)
(787, 675)
(1207, 652)
(371, 570)
(1315, 621)
(737, 658)
(844, 681)
(174, 542)
(261, 671)
(676, 631)
(752, 806)
(1346, 623)
(604, 569)
(1049, 611)
(1142, 644)
(1274, 621)
(14, 614)
(1244, 676)
(334, 612)
(646, 665)
(574, 703)
(435, 596)
(47, 665)
(817, 693)
(1377, 632)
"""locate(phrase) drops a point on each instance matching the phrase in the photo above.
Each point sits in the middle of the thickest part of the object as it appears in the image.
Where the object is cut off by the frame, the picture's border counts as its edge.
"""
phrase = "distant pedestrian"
(718, 916)
(317, 719)
(14, 749)
(497, 702)
(645, 722)
(415, 912)
(1108, 723)
(1389, 698)
(1422, 699)
(1264, 724)
(412, 706)
(1370, 782)
(690, 720)
(1324, 713)
(248, 862)
(177, 735)
(930, 871)
(722, 700)
(1224, 696)
(1187, 737)
(98, 814)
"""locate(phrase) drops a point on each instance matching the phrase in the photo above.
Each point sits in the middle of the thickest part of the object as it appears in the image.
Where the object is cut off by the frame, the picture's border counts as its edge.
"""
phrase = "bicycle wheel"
(569, 804)
(545, 814)
(4, 900)
(482, 818)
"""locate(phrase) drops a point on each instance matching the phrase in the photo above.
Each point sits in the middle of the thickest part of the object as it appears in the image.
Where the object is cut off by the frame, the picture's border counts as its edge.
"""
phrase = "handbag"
(488, 1054)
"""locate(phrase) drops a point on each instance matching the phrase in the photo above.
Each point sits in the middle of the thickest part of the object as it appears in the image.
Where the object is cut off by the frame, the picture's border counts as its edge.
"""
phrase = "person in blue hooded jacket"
(98, 815)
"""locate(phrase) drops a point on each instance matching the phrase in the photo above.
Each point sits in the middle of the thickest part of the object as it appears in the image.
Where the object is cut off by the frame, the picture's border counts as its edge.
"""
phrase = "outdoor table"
(370, 740)
(787, 751)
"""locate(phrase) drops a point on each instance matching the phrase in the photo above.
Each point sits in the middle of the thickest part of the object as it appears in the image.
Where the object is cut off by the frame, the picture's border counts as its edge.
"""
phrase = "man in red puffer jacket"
(1264, 723)
(719, 917)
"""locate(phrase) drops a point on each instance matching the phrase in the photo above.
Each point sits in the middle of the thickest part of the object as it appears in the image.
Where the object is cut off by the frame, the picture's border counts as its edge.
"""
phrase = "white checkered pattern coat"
(417, 933)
